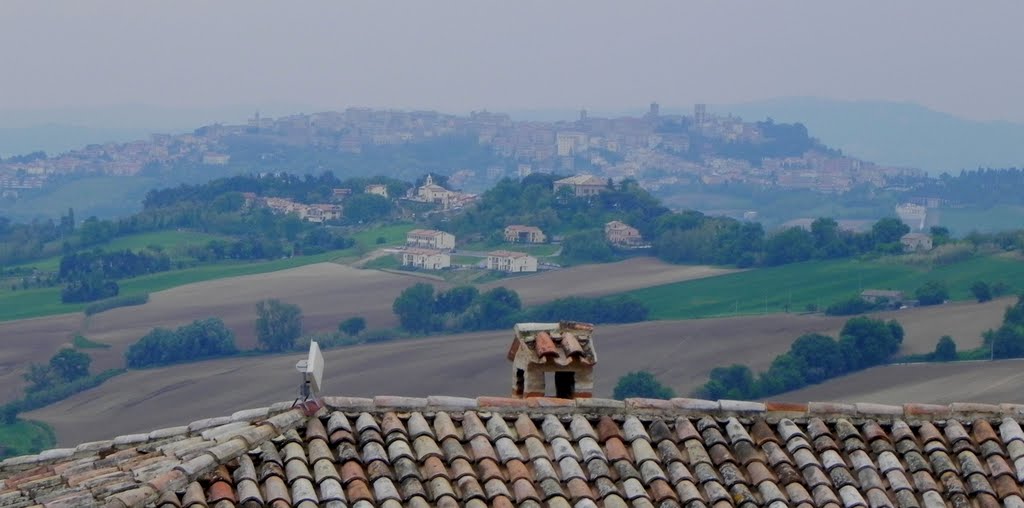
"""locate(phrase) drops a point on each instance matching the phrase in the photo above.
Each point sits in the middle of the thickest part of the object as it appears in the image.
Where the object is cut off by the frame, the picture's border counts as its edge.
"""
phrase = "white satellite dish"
(312, 369)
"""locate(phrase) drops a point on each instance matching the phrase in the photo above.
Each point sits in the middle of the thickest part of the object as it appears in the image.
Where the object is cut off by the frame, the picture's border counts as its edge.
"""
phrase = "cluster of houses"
(315, 212)
(430, 249)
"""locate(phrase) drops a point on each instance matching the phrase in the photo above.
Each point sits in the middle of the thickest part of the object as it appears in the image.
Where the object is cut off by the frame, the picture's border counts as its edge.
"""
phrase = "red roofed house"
(564, 349)
(582, 185)
(430, 239)
(427, 259)
(622, 234)
(512, 262)
(321, 212)
(518, 233)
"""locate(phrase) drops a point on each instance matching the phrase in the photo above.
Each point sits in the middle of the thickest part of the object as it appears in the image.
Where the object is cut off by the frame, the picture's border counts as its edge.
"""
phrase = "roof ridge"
(717, 409)
(185, 452)
(772, 411)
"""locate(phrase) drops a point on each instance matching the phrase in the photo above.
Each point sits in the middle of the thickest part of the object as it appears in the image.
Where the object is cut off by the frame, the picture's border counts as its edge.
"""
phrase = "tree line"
(422, 309)
(92, 275)
(812, 358)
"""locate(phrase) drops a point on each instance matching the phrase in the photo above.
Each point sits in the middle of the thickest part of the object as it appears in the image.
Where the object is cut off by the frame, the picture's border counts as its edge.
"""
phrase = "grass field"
(392, 235)
(45, 302)
(25, 436)
(174, 243)
(818, 283)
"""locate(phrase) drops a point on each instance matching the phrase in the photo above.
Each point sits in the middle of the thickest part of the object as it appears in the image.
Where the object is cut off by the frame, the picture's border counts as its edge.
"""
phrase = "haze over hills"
(57, 130)
(894, 133)
(890, 133)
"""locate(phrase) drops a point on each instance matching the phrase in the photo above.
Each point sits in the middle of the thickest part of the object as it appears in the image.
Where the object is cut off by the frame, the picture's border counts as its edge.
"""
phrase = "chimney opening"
(565, 384)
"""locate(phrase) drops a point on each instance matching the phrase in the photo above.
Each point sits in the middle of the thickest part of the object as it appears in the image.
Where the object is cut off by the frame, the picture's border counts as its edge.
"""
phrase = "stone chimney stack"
(553, 360)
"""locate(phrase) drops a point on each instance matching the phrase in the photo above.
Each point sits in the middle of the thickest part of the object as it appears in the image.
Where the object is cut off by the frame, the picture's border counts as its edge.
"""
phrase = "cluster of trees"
(91, 275)
(533, 201)
(980, 187)
(67, 366)
(812, 358)
(206, 338)
(933, 292)
(641, 384)
(983, 291)
(422, 309)
(1007, 341)
(683, 237)
(278, 324)
(23, 242)
(112, 265)
(855, 305)
(306, 189)
(608, 309)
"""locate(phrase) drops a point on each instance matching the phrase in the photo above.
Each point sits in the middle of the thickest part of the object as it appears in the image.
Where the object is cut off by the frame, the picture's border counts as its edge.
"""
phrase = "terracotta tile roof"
(450, 451)
(519, 228)
(423, 233)
(507, 254)
(561, 343)
(421, 251)
(582, 179)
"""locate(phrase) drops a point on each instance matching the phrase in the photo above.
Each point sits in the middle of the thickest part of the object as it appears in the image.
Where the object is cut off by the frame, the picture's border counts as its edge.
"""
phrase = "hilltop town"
(658, 150)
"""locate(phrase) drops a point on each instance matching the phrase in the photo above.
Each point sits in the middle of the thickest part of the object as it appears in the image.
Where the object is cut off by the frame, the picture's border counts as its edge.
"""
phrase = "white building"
(430, 239)
(570, 143)
(426, 259)
(378, 189)
(512, 262)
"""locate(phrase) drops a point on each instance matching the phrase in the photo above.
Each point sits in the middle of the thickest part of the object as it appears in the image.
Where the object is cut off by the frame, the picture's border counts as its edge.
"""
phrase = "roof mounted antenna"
(312, 370)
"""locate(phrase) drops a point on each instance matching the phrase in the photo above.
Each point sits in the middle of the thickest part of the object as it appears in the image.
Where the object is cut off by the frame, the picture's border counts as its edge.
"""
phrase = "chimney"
(561, 352)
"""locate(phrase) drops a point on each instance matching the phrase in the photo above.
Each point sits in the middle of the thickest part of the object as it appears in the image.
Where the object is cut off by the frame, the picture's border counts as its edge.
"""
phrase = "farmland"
(988, 382)
(679, 353)
(818, 283)
(31, 303)
(327, 293)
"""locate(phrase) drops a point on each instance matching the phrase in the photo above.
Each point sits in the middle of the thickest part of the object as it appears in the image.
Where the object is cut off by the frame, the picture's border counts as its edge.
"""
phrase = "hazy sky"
(953, 56)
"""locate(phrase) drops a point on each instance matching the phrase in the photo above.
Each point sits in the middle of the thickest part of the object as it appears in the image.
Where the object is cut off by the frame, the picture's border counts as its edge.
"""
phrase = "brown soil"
(679, 353)
(327, 292)
(939, 383)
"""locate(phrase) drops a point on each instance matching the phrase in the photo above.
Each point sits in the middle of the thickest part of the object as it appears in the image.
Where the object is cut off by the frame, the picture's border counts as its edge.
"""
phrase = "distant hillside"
(54, 138)
(892, 133)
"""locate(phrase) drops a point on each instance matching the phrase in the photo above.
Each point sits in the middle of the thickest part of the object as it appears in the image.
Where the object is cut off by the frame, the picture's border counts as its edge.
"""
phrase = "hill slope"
(680, 353)
(901, 134)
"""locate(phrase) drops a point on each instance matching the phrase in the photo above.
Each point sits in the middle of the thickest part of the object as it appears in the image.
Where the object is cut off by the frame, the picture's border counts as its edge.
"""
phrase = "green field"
(818, 283)
(174, 243)
(392, 235)
(24, 437)
(30, 303)
(45, 302)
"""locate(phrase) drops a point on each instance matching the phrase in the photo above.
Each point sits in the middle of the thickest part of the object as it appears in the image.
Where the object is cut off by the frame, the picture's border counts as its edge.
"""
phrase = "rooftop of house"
(422, 252)
(583, 179)
(425, 233)
(450, 451)
(507, 254)
(522, 228)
